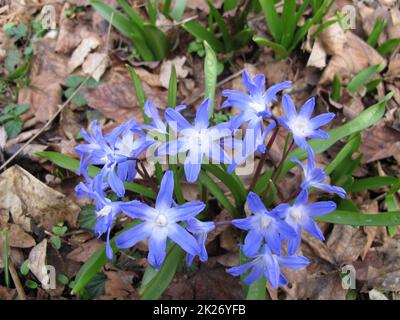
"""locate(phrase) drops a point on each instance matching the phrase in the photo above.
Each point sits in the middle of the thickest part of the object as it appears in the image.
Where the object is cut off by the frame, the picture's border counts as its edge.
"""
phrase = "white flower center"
(161, 220)
(200, 137)
(257, 106)
(265, 222)
(301, 127)
(297, 214)
(105, 211)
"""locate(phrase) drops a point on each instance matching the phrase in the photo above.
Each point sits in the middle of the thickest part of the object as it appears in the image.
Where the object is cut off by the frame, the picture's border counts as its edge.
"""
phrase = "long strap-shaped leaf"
(72, 164)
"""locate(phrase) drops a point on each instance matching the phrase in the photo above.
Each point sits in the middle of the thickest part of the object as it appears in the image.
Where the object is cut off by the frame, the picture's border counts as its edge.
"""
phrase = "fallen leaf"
(85, 251)
(96, 64)
(18, 238)
(166, 68)
(379, 142)
(38, 203)
(37, 261)
(381, 267)
(346, 243)
(81, 52)
(333, 39)
(355, 56)
(318, 56)
(116, 98)
(48, 72)
(6, 293)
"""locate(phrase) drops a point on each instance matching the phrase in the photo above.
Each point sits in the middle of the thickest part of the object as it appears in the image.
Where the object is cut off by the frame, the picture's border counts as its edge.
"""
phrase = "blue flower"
(256, 105)
(197, 140)
(300, 124)
(200, 230)
(299, 216)
(313, 177)
(269, 265)
(116, 152)
(106, 210)
(252, 142)
(157, 130)
(160, 223)
(262, 225)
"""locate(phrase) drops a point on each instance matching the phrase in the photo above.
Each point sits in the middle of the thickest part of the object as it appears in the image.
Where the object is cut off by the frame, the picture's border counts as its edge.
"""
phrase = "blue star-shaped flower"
(160, 223)
(299, 216)
(269, 265)
(262, 225)
(301, 125)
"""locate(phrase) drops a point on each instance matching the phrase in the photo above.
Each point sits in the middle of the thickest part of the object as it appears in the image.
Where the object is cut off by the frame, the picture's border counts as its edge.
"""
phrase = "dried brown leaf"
(30, 200)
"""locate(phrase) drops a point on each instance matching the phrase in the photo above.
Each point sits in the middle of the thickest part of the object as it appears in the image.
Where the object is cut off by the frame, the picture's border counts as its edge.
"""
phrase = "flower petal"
(308, 108)
(255, 204)
(165, 195)
(157, 247)
(289, 107)
(203, 115)
(186, 211)
(183, 238)
(312, 228)
(320, 208)
(132, 236)
(322, 119)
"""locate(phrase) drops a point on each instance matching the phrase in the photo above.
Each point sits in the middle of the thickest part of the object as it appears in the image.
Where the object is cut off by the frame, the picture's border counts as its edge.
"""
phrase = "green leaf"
(127, 27)
(152, 11)
(336, 89)
(257, 290)
(222, 26)
(140, 95)
(20, 109)
(87, 217)
(376, 32)
(272, 19)
(198, 31)
(132, 14)
(352, 145)
(213, 188)
(78, 99)
(97, 286)
(363, 77)
(63, 279)
(280, 51)
(388, 46)
(372, 183)
(31, 284)
(172, 88)
(154, 289)
(72, 164)
(14, 58)
(237, 189)
(289, 24)
(243, 37)
(178, 10)
(13, 128)
(24, 269)
(230, 5)
(74, 81)
(380, 219)
(157, 41)
(56, 240)
(210, 74)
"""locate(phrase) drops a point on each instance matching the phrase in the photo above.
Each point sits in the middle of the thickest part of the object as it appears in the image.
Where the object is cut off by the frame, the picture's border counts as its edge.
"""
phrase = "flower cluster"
(273, 236)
